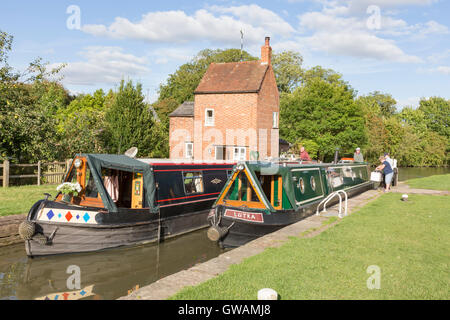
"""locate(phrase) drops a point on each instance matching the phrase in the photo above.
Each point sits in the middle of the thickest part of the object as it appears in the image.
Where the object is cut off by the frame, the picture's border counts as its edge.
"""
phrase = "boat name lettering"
(248, 216)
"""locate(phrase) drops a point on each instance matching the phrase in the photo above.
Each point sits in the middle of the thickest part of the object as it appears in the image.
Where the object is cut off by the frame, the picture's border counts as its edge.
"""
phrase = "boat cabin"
(287, 186)
(118, 182)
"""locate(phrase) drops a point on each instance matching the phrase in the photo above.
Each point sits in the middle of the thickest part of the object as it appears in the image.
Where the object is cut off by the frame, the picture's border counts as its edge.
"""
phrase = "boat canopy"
(121, 162)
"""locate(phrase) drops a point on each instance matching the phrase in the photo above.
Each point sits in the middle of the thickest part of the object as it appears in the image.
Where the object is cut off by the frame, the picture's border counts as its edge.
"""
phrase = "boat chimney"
(336, 155)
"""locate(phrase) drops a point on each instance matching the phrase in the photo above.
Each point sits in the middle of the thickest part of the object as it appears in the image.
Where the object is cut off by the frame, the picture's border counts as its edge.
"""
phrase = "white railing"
(328, 199)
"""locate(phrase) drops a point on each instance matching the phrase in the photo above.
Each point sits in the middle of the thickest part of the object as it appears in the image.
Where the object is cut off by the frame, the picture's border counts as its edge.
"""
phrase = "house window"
(220, 153)
(275, 120)
(209, 117)
(240, 153)
(189, 150)
(193, 182)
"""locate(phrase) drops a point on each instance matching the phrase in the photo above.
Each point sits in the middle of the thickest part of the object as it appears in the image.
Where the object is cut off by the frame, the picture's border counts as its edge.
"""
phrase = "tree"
(323, 110)
(287, 66)
(130, 123)
(436, 112)
(81, 124)
(27, 123)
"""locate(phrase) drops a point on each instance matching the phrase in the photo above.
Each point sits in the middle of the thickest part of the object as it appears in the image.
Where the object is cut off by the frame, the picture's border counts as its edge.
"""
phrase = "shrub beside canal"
(408, 241)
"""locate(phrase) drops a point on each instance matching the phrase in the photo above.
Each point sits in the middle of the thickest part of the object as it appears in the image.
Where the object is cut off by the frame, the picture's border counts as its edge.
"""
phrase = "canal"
(112, 273)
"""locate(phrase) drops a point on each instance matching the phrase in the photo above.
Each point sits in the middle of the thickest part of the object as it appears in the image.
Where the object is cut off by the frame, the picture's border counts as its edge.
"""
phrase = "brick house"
(234, 116)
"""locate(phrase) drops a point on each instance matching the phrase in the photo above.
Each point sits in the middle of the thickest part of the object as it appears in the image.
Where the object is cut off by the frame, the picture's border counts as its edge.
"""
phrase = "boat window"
(193, 182)
(72, 177)
(91, 188)
(242, 190)
(301, 185)
(313, 183)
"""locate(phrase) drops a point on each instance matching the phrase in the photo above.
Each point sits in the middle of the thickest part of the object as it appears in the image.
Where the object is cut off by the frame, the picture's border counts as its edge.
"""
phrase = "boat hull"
(71, 238)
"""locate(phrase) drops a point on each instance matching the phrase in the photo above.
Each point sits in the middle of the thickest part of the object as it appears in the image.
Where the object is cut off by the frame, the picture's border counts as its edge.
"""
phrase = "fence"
(43, 173)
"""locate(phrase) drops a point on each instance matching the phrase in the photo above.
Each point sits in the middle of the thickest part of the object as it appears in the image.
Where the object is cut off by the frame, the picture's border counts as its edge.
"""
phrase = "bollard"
(267, 294)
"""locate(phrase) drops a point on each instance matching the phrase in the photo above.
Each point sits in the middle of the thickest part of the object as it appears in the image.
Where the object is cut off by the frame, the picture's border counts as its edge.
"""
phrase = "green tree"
(323, 110)
(436, 112)
(130, 123)
(27, 125)
(81, 124)
(287, 66)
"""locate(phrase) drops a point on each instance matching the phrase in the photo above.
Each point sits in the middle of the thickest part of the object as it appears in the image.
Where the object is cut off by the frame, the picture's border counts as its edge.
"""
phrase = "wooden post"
(5, 174)
(39, 173)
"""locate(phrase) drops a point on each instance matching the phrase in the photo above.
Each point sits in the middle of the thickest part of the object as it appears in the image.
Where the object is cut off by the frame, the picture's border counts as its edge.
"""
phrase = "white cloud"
(219, 24)
(103, 65)
(442, 69)
(350, 36)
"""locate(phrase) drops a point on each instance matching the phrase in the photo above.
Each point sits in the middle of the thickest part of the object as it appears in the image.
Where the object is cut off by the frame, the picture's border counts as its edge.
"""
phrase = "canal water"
(112, 273)
(109, 274)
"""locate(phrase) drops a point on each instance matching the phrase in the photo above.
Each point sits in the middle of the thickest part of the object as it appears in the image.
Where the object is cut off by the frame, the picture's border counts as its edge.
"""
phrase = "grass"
(408, 241)
(18, 200)
(437, 182)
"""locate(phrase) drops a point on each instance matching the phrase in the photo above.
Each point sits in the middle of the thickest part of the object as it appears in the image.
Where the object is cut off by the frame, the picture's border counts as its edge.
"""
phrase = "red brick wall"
(181, 131)
(235, 120)
(268, 102)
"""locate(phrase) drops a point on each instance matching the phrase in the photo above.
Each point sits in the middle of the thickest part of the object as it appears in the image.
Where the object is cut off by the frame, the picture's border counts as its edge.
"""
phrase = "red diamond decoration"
(69, 216)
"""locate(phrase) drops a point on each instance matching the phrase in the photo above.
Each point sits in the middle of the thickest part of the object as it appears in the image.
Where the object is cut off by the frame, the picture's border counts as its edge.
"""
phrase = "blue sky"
(399, 47)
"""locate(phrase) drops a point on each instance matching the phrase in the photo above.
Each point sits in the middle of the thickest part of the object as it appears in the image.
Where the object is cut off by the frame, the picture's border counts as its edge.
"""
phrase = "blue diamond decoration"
(78, 216)
(86, 217)
(82, 292)
(59, 215)
(56, 297)
(50, 215)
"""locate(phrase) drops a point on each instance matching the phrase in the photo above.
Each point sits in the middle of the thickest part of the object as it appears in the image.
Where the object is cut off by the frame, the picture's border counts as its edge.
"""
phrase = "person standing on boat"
(357, 156)
(388, 173)
(304, 156)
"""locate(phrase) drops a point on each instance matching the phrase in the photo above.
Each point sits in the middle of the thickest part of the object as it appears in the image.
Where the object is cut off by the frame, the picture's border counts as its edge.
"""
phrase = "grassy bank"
(18, 200)
(437, 182)
(408, 241)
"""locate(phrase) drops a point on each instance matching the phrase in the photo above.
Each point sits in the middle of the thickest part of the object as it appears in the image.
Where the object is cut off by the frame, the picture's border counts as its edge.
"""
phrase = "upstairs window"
(209, 117)
(275, 120)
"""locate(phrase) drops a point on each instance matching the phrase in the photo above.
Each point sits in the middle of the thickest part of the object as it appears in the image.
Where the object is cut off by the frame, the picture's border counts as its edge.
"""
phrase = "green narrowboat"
(262, 197)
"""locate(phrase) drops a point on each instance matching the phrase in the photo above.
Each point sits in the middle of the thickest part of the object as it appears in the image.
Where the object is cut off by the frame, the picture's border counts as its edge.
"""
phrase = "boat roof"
(276, 166)
(161, 162)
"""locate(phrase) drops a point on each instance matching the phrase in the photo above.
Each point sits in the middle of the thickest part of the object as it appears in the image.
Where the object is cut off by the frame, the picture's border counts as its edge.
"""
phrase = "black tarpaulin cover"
(121, 162)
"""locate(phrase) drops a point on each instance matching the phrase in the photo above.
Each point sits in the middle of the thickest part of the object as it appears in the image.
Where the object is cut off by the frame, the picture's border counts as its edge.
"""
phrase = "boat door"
(136, 197)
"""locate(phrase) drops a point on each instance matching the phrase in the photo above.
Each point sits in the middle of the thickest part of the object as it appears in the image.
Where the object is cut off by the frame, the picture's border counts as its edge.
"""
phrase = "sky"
(399, 47)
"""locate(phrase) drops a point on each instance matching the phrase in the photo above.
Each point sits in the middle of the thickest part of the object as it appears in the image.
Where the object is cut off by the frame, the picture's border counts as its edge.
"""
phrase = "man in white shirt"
(388, 159)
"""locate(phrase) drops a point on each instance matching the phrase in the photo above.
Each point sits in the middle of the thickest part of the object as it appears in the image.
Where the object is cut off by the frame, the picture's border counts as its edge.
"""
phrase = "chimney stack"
(266, 52)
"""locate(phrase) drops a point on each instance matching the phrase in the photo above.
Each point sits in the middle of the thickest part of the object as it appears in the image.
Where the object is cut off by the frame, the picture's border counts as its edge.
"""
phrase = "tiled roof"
(184, 110)
(233, 77)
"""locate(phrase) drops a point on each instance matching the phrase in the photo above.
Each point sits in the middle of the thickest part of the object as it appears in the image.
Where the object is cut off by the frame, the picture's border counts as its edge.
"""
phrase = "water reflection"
(413, 173)
(104, 275)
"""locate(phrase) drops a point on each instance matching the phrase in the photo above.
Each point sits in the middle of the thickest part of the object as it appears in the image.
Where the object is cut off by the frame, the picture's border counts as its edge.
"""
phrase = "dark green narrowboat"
(262, 197)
